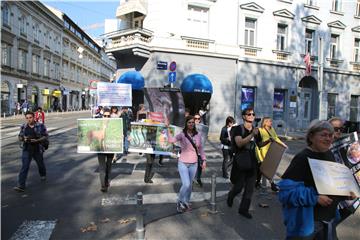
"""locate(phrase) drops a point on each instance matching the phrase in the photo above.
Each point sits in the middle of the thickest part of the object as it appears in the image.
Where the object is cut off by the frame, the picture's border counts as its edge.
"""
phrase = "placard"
(100, 135)
(332, 178)
(114, 94)
(272, 159)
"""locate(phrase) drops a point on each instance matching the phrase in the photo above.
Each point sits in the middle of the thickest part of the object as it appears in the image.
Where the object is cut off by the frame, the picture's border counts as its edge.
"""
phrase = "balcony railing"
(128, 37)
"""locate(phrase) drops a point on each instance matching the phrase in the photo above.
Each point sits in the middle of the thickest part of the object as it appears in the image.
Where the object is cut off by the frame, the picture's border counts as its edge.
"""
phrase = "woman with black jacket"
(226, 145)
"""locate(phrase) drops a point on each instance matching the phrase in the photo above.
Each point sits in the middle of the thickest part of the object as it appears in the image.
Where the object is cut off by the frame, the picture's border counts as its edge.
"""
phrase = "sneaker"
(180, 207)
(274, 187)
(245, 214)
(43, 178)
(199, 182)
(160, 164)
(104, 189)
(19, 189)
(188, 207)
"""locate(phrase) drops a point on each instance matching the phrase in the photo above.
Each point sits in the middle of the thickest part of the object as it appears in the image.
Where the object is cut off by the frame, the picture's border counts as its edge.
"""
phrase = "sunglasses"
(197, 118)
(106, 116)
(338, 129)
(250, 114)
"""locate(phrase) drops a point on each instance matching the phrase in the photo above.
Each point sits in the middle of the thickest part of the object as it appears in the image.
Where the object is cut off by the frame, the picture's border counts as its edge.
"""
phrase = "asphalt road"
(69, 205)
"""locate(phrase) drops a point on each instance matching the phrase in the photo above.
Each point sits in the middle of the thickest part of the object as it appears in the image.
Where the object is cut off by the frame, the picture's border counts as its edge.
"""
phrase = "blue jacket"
(298, 204)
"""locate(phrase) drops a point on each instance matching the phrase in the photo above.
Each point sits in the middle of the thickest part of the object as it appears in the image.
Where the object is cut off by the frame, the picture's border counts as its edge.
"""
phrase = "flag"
(307, 64)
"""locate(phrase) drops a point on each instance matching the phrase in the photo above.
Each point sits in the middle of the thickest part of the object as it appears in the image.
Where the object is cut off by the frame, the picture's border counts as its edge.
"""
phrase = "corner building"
(252, 52)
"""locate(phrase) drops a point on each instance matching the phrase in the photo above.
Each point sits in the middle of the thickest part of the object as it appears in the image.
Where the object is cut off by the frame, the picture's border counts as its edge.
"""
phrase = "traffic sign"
(172, 66)
(161, 65)
(172, 77)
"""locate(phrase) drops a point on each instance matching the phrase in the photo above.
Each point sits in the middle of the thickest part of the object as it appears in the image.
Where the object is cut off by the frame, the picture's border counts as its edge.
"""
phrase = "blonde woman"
(268, 135)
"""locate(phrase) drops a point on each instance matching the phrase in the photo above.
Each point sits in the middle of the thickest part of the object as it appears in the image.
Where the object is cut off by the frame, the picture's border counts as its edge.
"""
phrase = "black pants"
(247, 180)
(105, 168)
(150, 159)
(227, 161)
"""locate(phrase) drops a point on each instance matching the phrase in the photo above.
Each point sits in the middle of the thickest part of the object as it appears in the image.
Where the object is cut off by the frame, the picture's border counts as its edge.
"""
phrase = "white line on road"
(34, 230)
(159, 181)
(157, 198)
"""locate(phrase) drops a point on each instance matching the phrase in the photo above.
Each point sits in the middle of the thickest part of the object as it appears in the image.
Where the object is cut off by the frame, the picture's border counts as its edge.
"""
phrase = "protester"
(191, 149)
(225, 140)
(338, 125)
(114, 112)
(25, 106)
(197, 120)
(141, 113)
(244, 138)
(40, 116)
(307, 214)
(105, 160)
(32, 134)
(268, 135)
(150, 159)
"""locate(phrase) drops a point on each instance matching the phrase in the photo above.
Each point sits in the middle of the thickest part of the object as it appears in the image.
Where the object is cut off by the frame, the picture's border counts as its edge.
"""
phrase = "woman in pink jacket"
(190, 144)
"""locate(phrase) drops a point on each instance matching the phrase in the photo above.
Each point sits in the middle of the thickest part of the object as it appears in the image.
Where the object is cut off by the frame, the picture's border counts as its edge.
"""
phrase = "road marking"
(133, 159)
(159, 181)
(157, 198)
(34, 230)
(60, 130)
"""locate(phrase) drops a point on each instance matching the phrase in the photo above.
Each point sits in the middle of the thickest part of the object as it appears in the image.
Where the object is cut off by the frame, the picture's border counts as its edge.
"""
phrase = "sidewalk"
(21, 116)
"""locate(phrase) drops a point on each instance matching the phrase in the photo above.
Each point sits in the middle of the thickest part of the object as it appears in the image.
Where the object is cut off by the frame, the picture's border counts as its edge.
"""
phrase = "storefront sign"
(45, 92)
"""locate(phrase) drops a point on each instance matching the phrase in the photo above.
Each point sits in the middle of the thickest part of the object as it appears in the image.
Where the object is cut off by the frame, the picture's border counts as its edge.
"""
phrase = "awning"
(196, 83)
(56, 93)
(134, 78)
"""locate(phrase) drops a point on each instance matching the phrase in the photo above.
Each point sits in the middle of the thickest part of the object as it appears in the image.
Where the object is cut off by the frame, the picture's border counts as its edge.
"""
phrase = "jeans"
(105, 168)
(187, 173)
(26, 160)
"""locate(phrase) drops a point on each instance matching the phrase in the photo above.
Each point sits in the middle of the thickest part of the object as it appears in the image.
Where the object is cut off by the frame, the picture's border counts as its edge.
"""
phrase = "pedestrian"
(202, 113)
(244, 139)
(268, 135)
(114, 112)
(225, 140)
(18, 108)
(25, 106)
(141, 113)
(32, 134)
(191, 150)
(40, 116)
(105, 160)
(197, 120)
(338, 125)
(124, 114)
(149, 174)
(308, 214)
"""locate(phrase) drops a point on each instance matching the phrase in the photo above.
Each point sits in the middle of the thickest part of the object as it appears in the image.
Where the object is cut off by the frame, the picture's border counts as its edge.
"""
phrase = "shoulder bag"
(200, 161)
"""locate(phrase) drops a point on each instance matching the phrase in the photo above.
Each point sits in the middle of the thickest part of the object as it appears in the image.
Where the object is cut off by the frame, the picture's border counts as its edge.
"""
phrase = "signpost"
(172, 77)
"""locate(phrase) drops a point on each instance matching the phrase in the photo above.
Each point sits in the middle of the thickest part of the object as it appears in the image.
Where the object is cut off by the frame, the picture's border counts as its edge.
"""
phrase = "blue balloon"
(196, 83)
(134, 78)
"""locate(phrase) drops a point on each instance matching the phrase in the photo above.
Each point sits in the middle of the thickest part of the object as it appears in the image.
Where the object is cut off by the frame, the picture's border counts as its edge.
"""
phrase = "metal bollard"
(4, 115)
(140, 229)
(213, 194)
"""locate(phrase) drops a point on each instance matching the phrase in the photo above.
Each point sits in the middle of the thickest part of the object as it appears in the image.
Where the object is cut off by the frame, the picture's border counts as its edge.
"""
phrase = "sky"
(88, 15)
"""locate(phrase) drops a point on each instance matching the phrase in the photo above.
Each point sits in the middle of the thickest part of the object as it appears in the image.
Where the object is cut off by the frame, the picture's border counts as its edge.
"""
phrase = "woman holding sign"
(191, 150)
(307, 214)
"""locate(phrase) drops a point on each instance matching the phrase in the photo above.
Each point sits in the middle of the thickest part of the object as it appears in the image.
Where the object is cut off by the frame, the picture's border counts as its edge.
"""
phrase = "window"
(336, 5)
(5, 54)
(138, 22)
(357, 50)
(198, 21)
(279, 104)
(334, 42)
(22, 23)
(35, 63)
(36, 32)
(354, 108)
(282, 37)
(46, 67)
(5, 12)
(247, 97)
(309, 37)
(22, 59)
(250, 31)
(331, 98)
(311, 2)
(357, 11)
(57, 71)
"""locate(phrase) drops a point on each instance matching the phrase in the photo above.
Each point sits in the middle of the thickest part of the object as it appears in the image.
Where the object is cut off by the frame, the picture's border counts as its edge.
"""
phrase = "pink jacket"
(188, 153)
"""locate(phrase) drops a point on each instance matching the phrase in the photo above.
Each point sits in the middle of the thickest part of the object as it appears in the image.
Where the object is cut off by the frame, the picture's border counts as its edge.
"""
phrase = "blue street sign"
(172, 77)
(162, 65)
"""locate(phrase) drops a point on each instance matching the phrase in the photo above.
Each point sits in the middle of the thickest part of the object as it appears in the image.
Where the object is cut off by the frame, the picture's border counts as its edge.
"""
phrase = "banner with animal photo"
(100, 135)
(347, 151)
(152, 138)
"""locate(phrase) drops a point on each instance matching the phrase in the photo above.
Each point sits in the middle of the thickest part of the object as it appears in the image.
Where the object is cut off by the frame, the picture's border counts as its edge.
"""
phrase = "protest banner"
(272, 159)
(167, 101)
(332, 178)
(100, 135)
(156, 116)
(152, 138)
(114, 94)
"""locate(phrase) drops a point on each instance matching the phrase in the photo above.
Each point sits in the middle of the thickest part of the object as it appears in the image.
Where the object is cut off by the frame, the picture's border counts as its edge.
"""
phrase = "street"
(69, 205)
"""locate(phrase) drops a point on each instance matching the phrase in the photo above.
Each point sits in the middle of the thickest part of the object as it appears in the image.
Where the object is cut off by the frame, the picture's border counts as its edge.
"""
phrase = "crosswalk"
(14, 131)
(34, 230)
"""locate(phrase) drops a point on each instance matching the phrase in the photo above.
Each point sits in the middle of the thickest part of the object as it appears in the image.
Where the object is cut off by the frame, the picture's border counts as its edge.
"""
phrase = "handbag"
(199, 159)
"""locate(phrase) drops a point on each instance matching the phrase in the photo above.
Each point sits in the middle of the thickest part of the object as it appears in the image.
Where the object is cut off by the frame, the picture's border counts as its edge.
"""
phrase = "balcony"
(134, 40)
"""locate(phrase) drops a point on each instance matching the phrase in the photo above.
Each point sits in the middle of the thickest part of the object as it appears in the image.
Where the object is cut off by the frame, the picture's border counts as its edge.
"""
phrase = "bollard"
(4, 115)
(140, 229)
(213, 194)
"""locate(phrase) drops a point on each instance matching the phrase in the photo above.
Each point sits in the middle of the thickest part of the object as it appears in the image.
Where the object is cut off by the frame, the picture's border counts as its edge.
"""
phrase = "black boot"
(244, 208)
(230, 199)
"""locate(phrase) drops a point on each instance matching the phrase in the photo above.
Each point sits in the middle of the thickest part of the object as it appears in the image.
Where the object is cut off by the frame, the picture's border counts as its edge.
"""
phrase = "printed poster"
(152, 138)
(272, 159)
(247, 97)
(100, 135)
(114, 94)
(333, 178)
(278, 105)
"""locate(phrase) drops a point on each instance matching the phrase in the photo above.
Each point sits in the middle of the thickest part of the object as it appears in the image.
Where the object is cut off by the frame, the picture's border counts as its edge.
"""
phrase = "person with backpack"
(244, 138)
(226, 145)
(34, 137)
